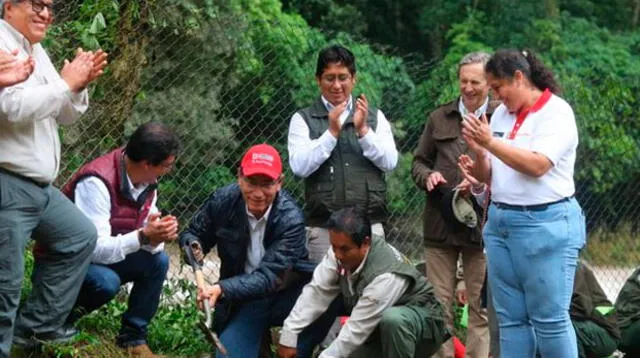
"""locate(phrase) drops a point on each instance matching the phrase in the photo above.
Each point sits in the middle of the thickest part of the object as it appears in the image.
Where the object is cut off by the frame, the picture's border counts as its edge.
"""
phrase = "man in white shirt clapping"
(34, 100)
(342, 147)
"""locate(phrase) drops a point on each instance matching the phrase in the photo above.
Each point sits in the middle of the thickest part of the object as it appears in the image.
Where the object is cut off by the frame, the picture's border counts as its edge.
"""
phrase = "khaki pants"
(441, 272)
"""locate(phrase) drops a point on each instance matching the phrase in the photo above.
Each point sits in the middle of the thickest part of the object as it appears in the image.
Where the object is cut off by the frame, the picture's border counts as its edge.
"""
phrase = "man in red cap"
(259, 231)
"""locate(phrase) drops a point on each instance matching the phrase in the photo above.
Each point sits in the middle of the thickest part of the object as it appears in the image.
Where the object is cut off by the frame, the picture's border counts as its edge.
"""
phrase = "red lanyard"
(544, 98)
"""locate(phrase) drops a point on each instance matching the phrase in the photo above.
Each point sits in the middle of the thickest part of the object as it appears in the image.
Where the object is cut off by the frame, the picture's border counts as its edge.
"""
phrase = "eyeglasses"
(332, 78)
(38, 6)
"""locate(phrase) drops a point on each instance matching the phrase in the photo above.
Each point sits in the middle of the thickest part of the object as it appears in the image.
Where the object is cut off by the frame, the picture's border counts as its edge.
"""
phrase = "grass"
(85, 345)
(172, 332)
(616, 248)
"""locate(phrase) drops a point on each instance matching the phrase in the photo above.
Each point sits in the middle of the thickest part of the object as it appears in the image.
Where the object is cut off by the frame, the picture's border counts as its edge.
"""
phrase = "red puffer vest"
(126, 214)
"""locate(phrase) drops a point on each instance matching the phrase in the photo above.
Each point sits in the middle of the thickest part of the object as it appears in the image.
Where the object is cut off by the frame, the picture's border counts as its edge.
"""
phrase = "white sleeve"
(383, 292)
(43, 95)
(379, 146)
(23, 103)
(306, 155)
(314, 300)
(74, 106)
(93, 199)
(480, 196)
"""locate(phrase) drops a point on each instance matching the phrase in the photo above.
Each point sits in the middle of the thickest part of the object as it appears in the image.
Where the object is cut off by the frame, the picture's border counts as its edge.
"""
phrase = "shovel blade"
(212, 337)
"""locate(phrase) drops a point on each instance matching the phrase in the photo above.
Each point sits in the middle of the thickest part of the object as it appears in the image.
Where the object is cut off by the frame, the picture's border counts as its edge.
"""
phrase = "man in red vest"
(117, 192)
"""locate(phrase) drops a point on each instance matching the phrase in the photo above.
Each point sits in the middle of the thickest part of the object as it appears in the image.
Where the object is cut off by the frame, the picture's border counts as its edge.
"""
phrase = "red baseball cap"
(262, 159)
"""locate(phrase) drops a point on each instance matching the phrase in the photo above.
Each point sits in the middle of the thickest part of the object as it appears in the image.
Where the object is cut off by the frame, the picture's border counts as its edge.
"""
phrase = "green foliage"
(173, 329)
(229, 74)
(402, 193)
(92, 25)
(441, 84)
(613, 14)
(612, 150)
(28, 269)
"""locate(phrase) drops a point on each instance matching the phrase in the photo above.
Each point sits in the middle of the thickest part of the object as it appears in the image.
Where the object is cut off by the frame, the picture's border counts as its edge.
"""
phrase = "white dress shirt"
(478, 112)
(383, 292)
(31, 110)
(306, 155)
(93, 198)
(255, 251)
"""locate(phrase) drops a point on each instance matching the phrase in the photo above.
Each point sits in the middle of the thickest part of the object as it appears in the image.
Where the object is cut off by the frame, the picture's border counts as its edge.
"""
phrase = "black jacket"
(222, 221)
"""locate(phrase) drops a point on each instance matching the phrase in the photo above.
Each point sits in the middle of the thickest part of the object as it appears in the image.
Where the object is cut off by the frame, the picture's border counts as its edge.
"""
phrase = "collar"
(19, 37)
(360, 268)
(264, 217)
(478, 112)
(126, 185)
(542, 100)
(451, 108)
(330, 106)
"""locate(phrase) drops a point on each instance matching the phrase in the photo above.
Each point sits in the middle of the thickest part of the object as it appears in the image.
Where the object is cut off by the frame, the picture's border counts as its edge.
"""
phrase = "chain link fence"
(224, 80)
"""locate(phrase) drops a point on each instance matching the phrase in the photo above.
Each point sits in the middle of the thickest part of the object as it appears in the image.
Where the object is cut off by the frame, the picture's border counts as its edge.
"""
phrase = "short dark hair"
(335, 54)
(350, 221)
(153, 142)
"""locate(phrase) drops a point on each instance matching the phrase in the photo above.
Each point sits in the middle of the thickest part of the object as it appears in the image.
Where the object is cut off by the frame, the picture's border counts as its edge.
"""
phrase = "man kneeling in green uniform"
(592, 316)
(628, 312)
(393, 311)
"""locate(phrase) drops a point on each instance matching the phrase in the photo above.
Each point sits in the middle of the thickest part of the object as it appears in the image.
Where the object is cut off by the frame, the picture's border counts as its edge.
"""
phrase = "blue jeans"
(243, 334)
(102, 283)
(532, 257)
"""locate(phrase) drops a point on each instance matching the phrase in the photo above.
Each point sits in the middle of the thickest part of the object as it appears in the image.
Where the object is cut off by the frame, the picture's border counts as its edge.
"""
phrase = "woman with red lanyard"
(535, 226)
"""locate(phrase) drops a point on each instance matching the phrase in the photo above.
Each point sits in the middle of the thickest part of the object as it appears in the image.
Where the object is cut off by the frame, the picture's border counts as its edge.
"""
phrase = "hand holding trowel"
(194, 256)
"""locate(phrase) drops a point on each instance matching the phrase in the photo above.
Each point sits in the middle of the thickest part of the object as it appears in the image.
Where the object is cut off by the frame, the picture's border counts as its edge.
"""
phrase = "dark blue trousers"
(102, 283)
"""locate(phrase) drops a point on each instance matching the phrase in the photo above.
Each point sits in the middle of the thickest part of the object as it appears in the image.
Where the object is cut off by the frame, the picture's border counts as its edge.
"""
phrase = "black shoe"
(63, 334)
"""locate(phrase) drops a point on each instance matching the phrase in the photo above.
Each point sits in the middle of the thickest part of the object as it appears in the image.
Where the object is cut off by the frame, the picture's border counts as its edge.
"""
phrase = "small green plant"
(172, 331)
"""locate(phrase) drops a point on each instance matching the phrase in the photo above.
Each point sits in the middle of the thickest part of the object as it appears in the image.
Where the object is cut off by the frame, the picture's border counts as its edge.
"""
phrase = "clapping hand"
(335, 127)
(476, 132)
(360, 115)
(12, 70)
(99, 64)
(85, 68)
(466, 164)
(161, 229)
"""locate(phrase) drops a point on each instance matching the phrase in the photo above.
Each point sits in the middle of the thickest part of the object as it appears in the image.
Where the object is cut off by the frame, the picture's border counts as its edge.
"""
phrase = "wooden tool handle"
(199, 279)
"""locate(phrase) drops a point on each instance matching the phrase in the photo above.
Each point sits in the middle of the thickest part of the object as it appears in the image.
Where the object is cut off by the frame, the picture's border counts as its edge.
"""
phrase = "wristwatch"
(142, 238)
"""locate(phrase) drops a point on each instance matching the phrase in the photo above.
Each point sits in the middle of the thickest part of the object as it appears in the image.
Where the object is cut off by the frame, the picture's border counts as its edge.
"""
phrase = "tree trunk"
(636, 14)
(551, 9)
(125, 68)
